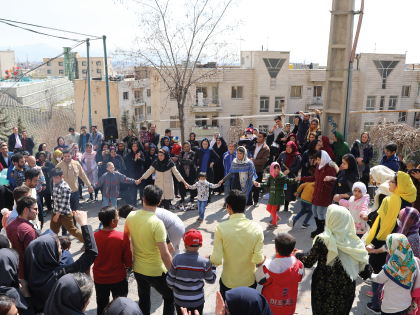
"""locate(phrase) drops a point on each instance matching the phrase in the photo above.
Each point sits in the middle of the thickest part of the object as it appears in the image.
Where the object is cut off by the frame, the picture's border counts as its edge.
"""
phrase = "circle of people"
(38, 273)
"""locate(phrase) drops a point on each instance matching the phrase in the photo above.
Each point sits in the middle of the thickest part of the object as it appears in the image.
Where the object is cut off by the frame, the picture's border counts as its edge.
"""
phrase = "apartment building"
(7, 61)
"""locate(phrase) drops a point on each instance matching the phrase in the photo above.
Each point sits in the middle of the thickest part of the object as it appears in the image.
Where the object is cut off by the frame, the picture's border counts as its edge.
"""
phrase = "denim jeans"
(201, 208)
(304, 208)
(228, 186)
(74, 205)
(105, 201)
(319, 212)
(376, 294)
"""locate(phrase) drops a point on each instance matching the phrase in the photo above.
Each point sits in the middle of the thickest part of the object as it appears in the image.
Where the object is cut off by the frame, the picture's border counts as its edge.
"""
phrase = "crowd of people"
(379, 243)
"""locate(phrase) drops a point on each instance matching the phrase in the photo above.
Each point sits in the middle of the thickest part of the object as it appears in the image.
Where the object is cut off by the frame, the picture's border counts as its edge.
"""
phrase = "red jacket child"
(176, 148)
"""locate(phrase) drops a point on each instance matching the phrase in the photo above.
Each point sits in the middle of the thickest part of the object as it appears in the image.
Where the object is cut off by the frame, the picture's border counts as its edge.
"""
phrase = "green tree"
(124, 124)
(20, 125)
(4, 126)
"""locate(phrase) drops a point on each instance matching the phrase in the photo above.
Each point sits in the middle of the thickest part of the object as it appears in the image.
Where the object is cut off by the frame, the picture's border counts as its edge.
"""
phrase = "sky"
(299, 26)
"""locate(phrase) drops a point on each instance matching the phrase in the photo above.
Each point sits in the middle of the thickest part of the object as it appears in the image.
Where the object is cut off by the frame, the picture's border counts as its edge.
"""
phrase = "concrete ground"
(215, 214)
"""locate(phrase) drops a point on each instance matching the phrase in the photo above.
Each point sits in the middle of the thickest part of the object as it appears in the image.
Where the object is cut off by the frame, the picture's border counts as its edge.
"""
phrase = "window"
(237, 91)
(48, 63)
(233, 121)
(60, 63)
(200, 123)
(49, 71)
(370, 104)
(125, 95)
(406, 91)
(138, 96)
(402, 117)
(382, 103)
(264, 104)
(83, 63)
(392, 102)
(296, 92)
(317, 91)
(84, 71)
(98, 70)
(60, 71)
(149, 109)
(98, 63)
(174, 124)
(368, 126)
(385, 68)
(149, 92)
(201, 89)
(277, 104)
(263, 128)
(215, 95)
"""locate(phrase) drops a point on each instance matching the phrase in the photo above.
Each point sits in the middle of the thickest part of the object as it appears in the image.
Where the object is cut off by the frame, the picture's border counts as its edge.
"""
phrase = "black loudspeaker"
(110, 128)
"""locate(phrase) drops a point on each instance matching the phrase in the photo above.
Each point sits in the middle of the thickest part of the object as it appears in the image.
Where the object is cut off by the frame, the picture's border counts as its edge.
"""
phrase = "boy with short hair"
(410, 165)
(62, 212)
(228, 157)
(203, 194)
(176, 148)
(109, 269)
(280, 277)
(188, 273)
(144, 135)
(66, 257)
(390, 158)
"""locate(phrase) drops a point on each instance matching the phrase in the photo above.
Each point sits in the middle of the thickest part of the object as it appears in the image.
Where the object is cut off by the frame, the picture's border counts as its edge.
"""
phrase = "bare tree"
(51, 99)
(177, 36)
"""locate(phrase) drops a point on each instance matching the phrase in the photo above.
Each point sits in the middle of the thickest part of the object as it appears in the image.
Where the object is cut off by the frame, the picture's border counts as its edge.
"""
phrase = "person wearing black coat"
(46, 167)
(187, 170)
(12, 140)
(149, 158)
(27, 143)
(6, 157)
(193, 142)
(6, 199)
(343, 186)
(154, 136)
(220, 147)
(206, 153)
(135, 161)
(117, 160)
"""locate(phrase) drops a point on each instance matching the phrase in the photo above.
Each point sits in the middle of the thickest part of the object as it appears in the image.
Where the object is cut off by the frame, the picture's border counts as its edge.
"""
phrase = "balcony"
(205, 131)
(138, 101)
(140, 117)
(204, 105)
(316, 102)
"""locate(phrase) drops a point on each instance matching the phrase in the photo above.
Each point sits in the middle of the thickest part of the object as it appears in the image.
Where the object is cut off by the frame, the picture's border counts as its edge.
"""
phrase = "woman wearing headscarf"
(61, 144)
(122, 150)
(293, 137)
(340, 256)
(313, 128)
(220, 147)
(204, 160)
(122, 306)
(397, 276)
(322, 191)
(243, 170)
(75, 152)
(187, 170)
(135, 167)
(164, 168)
(312, 136)
(41, 262)
(102, 156)
(340, 147)
(290, 161)
(57, 156)
(308, 157)
(117, 160)
(193, 142)
(90, 167)
(130, 139)
(167, 143)
(363, 152)
(346, 177)
(9, 281)
(70, 295)
(326, 147)
(403, 193)
(43, 147)
(149, 158)
(46, 167)
(242, 301)
(409, 225)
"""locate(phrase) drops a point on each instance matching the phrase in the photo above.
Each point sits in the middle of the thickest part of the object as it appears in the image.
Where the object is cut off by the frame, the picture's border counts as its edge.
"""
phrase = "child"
(306, 192)
(276, 181)
(203, 193)
(66, 257)
(114, 256)
(188, 270)
(228, 157)
(62, 212)
(397, 275)
(176, 148)
(390, 159)
(410, 165)
(358, 204)
(280, 277)
(144, 135)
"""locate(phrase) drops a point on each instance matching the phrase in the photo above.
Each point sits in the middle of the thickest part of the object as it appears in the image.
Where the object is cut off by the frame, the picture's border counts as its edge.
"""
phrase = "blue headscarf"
(154, 156)
(246, 171)
(206, 156)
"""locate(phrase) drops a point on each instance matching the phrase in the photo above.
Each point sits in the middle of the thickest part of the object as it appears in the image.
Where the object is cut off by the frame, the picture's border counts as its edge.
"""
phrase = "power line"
(50, 28)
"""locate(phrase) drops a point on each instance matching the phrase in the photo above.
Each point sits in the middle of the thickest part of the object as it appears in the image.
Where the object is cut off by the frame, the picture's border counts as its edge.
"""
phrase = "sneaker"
(292, 223)
(369, 293)
(200, 220)
(256, 204)
(305, 225)
(373, 310)
(271, 227)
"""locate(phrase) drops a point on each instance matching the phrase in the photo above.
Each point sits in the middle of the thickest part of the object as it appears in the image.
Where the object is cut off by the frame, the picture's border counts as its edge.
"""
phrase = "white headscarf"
(381, 174)
(325, 159)
(361, 186)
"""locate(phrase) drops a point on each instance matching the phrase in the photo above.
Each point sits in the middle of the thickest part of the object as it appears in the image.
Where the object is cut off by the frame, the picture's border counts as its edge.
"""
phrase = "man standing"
(83, 139)
(20, 231)
(5, 156)
(27, 143)
(72, 170)
(238, 244)
(154, 136)
(19, 172)
(151, 258)
(95, 138)
(260, 158)
(303, 125)
(73, 137)
(15, 140)
(32, 181)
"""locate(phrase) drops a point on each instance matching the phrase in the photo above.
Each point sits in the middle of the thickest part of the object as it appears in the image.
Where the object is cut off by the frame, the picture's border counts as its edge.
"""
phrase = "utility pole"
(106, 78)
(88, 79)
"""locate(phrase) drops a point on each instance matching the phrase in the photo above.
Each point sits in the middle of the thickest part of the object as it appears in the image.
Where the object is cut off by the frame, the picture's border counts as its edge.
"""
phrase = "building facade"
(7, 61)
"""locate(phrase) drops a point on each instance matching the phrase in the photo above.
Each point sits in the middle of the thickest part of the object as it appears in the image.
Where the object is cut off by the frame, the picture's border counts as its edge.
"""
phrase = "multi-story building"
(7, 61)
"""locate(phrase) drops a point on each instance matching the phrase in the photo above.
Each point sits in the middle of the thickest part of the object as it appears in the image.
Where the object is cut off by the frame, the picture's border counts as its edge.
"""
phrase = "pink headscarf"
(272, 169)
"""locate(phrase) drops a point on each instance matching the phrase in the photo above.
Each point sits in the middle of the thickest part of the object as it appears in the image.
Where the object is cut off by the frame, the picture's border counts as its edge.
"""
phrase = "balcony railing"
(140, 117)
(316, 100)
